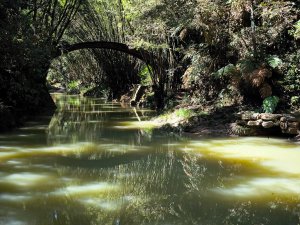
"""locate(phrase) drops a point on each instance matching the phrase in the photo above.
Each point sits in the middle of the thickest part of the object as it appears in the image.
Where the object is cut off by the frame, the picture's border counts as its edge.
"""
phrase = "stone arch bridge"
(141, 54)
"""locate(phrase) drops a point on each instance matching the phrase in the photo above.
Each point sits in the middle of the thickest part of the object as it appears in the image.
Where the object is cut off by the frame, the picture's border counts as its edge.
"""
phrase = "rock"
(292, 131)
(241, 122)
(283, 119)
(267, 124)
(283, 125)
(269, 116)
(296, 114)
(125, 99)
(246, 116)
(241, 130)
(291, 119)
(293, 124)
(255, 123)
(255, 116)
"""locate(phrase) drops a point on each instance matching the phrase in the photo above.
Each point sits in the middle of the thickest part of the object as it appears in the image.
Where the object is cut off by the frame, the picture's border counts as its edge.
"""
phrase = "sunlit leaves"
(274, 61)
(297, 30)
(270, 104)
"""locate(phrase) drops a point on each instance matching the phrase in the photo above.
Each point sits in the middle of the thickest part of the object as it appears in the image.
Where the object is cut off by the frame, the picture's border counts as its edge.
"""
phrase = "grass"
(184, 113)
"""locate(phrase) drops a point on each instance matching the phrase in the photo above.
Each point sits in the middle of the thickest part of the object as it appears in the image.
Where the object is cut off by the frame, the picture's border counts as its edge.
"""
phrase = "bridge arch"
(141, 54)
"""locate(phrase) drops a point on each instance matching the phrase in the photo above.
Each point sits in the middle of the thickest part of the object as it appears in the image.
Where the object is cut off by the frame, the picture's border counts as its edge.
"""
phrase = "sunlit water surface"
(98, 163)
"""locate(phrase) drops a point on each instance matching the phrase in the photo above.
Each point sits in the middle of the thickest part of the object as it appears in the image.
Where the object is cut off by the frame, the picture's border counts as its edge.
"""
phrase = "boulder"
(269, 116)
(283, 119)
(255, 123)
(293, 124)
(255, 116)
(283, 125)
(246, 116)
(292, 130)
(267, 124)
(291, 119)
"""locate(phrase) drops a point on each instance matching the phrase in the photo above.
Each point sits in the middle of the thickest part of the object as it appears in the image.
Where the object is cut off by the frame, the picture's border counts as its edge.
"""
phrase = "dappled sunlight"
(267, 187)
(14, 198)
(26, 135)
(26, 179)
(91, 151)
(13, 221)
(129, 125)
(91, 189)
(96, 163)
(33, 128)
(267, 152)
(25, 152)
(108, 106)
(108, 205)
(271, 166)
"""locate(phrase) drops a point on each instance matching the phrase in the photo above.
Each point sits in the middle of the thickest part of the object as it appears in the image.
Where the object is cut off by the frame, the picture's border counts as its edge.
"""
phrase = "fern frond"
(258, 76)
(265, 90)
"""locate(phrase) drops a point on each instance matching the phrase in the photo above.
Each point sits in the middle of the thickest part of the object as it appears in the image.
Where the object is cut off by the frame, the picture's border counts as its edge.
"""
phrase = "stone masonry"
(288, 123)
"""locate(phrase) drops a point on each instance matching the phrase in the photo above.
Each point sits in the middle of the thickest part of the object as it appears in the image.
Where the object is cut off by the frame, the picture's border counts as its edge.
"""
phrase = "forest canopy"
(241, 51)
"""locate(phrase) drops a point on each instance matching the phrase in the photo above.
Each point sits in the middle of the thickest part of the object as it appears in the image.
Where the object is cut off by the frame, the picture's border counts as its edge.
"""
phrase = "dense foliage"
(111, 72)
(29, 33)
(220, 52)
(209, 52)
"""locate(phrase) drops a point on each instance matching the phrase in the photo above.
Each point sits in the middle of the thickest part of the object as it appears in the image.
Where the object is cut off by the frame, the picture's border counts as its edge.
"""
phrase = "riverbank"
(198, 122)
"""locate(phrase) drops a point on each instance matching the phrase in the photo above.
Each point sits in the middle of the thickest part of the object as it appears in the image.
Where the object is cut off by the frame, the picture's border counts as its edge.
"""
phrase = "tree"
(30, 31)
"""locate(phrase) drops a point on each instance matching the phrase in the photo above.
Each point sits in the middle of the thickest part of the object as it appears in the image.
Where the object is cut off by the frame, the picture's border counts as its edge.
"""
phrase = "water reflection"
(98, 163)
(94, 121)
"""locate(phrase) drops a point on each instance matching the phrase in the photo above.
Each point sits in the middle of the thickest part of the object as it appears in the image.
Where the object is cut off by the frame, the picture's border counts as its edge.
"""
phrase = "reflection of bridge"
(137, 53)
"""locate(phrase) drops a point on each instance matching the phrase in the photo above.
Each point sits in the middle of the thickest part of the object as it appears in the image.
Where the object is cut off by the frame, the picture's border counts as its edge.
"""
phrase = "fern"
(270, 104)
(258, 76)
(246, 66)
(226, 71)
(265, 90)
(274, 61)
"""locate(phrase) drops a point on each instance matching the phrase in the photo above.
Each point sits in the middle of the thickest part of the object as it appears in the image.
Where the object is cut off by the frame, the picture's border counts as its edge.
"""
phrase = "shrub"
(270, 104)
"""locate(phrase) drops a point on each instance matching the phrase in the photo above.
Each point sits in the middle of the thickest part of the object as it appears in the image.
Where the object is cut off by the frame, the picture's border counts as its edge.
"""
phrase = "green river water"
(99, 163)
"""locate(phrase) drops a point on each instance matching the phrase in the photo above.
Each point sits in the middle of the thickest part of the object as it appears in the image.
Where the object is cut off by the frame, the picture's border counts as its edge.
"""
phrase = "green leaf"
(297, 30)
(274, 61)
(228, 70)
(270, 104)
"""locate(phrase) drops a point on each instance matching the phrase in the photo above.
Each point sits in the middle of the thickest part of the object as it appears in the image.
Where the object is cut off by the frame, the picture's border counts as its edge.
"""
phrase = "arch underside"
(137, 53)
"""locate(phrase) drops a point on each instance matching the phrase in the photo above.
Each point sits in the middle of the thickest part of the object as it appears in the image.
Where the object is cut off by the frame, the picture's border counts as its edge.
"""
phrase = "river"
(99, 163)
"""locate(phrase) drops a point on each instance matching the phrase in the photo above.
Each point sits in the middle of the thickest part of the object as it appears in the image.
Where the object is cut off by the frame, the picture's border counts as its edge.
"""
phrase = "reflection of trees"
(86, 119)
(154, 186)
(167, 186)
(148, 190)
(71, 121)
